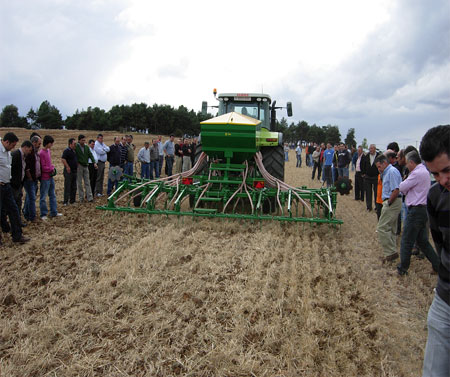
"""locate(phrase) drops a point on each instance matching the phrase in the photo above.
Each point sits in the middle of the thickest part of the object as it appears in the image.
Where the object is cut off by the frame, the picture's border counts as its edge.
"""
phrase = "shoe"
(57, 215)
(23, 240)
(99, 195)
(390, 258)
(369, 209)
(65, 204)
(23, 225)
(90, 201)
(44, 218)
(401, 272)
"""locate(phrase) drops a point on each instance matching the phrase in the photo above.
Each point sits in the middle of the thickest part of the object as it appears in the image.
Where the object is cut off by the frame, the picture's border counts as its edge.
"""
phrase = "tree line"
(156, 119)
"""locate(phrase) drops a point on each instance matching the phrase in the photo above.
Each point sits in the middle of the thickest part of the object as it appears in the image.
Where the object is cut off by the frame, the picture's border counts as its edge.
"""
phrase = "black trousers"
(8, 207)
(318, 166)
(93, 176)
(70, 186)
(371, 185)
(359, 186)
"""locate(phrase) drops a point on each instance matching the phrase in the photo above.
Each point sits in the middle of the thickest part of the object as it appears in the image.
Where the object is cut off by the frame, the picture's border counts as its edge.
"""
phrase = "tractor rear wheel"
(273, 161)
(198, 151)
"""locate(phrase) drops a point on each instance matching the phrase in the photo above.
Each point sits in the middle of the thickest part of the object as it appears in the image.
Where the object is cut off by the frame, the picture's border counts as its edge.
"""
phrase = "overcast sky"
(381, 67)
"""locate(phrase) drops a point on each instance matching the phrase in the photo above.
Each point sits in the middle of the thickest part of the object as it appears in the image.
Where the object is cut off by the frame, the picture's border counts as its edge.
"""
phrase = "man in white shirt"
(101, 150)
(144, 158)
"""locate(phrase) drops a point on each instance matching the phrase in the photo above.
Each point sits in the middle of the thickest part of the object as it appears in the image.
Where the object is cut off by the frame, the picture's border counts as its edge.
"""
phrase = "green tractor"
(238, 173)
(257, 106)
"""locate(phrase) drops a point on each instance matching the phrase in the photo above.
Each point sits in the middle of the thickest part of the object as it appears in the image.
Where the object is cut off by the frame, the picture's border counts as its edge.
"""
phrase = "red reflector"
(187, 181)
(242, 95)
(258, 184)
(272, 139)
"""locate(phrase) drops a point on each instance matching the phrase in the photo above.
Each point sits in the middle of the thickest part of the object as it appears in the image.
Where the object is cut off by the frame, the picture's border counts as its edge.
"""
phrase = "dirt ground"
(103, 294)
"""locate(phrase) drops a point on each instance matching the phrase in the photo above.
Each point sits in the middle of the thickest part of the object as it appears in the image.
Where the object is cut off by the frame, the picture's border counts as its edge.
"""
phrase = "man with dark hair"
(18, 171)
(101, 149)
(369, 172)
(393, 146)
(416, 188)
(32, 176)
(392, 204)
(114, 158)
(434, 150)
(343, 161)
(69, 160)
(7, 202)
(83, 155)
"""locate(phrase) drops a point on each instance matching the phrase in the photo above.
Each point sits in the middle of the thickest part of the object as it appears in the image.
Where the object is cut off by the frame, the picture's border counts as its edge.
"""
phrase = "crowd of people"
(30, 168)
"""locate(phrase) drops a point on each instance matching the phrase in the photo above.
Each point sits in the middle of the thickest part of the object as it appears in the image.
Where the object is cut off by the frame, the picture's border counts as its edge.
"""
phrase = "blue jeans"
(436, 362)
(145, 170)
(415, 229)
(128, 168)
(327, 174)
(169, 164)
(161, 160)
(29, 207)
(154, 167)
(48, 188)
(343, 172)
(299, 161)
(286, 156)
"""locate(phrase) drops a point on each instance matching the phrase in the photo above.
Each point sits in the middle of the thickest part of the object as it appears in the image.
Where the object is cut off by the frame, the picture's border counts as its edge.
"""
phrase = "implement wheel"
(273, 161)
(198, 151)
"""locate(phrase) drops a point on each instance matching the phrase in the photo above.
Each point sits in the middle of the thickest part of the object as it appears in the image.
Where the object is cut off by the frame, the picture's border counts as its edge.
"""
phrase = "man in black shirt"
(115, 162)
(70, 162)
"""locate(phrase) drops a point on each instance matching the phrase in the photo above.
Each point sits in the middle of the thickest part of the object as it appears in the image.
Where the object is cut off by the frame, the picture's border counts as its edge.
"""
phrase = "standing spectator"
(359, 181)
(32, 176)
(316, 158)
(144, 158)
(416, 188)
(179, 156)
(169, 151)
(101, 149)
(187, 152)
(83, 155)
(114, 158)
(354, 154)
(7, 203)
(370, 174)
(48, 171)
(154, 159)
(69, 160)
(91, 166)
(123, 152)
(128, 168)
(286, 152)
(311, 150)
(434, 150)
(392, 204)
(18, 172)
(328, 162)
(298, 153)
(161, 154)
(379, 201)
(343, 161)
(393, 146)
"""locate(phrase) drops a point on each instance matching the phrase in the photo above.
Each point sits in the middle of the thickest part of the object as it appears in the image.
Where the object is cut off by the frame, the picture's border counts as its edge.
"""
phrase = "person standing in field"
(154, 159)
(69, 160)
(161, 154)
(101, 149)
(169, 151)
(179, 156)
(91, 166)
(370, 174)
(32, 177)
(328, 156)
(434, 150)
(187, 152)
(18, 172)
(48, 171)
(7, 203)
(343, 161)
(129, 163)
(114, 158)
(144, 158)
(416, 188)
(316, 161)
(392, 204)
(359, 181)
(83, 155)
(298, 153)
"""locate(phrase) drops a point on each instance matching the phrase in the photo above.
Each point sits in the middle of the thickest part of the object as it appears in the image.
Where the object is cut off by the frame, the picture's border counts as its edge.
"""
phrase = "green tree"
(350, 138)
(332, 134)
(9, 117)
(364, 144)
(48, 116)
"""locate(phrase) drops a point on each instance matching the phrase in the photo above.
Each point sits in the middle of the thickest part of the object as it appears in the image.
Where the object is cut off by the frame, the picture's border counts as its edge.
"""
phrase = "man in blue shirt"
(392, 204)
(328, 162)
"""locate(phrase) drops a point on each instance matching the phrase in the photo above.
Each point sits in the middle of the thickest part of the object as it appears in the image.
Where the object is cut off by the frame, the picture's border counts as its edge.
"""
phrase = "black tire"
(273, 161)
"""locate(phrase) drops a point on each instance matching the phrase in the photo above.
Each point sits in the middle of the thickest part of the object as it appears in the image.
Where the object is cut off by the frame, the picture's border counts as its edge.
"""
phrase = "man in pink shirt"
(416, 188)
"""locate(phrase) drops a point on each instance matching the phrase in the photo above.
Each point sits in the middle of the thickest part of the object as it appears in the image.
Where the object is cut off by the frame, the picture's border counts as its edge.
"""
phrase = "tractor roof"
(233, 118)
(244, 96)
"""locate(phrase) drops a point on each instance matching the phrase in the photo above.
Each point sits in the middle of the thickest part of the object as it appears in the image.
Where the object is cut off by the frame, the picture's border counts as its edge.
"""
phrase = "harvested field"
(103, 294)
